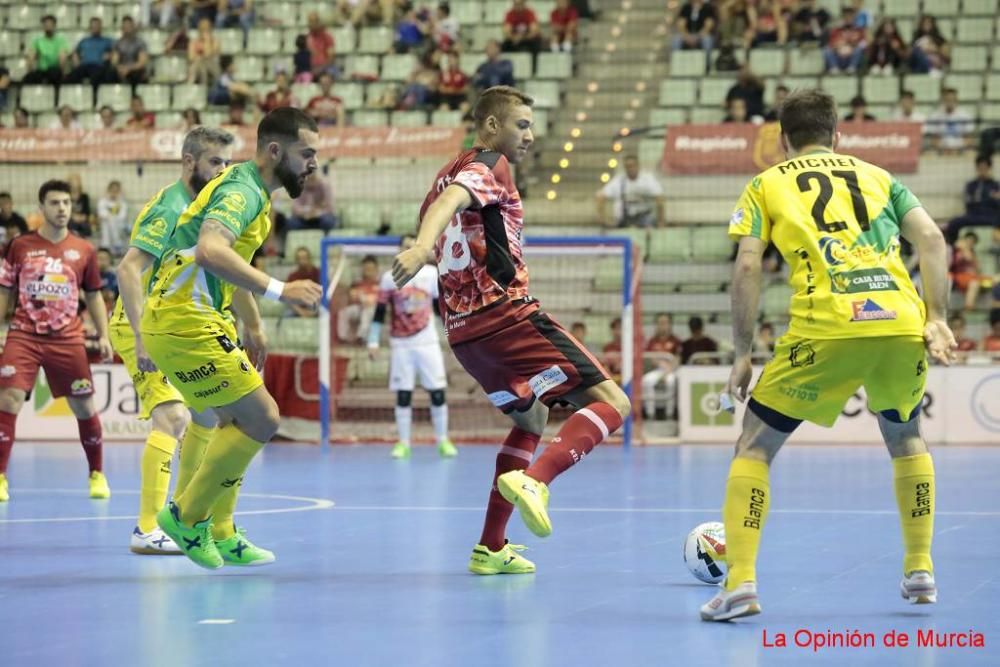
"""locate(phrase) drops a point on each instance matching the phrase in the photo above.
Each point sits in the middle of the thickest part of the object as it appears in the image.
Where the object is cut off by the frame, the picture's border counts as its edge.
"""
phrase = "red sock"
(515, 454)
(7, 422)
(92, 439)
(581, 433)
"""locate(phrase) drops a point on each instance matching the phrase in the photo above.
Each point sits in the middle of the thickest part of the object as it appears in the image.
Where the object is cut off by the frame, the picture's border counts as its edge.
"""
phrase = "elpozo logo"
(985, 403)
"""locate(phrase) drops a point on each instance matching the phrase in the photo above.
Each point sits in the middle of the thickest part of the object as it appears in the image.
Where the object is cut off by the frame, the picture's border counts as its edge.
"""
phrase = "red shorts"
(534, 358)
(66, 367)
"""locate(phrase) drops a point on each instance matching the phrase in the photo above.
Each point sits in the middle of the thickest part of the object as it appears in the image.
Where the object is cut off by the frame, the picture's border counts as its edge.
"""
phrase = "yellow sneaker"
(530, 497)
(99, 485)
(4, 495)
(505, 561)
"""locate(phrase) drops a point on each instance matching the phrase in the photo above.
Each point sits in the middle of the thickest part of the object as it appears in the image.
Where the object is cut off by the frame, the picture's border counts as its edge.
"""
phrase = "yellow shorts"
(153, 389)
(812, 380)
(206, 365)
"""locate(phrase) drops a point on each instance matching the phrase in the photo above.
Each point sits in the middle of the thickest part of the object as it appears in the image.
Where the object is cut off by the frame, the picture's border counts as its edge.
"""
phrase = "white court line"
(314, 504)
(216, 621)
(646, 510)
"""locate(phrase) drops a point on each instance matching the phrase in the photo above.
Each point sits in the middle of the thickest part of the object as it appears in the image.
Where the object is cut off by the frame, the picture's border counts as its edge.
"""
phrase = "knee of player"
(173, 419)
(271, 419)
(404, 399)
(437, 397)
(11, 401)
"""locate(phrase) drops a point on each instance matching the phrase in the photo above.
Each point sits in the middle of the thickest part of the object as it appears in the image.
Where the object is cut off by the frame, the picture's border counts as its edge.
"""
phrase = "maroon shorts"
(66, 367)
(534, 358)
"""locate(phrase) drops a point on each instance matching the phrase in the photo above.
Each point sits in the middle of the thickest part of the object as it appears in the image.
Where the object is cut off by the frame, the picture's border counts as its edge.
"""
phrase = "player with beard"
(471, 225)
(190, 337)
(205, 153)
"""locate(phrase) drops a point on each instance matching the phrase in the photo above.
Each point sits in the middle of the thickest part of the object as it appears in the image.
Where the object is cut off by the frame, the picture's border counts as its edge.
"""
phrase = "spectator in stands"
(906, 110)
(768, 23)
(322, 48)
(190, 119)
(354, 319)
(453, 91)
(421, 89)
(226, 89)
(929, 54)
(92, 57)
(202, 9)
(22, 119)
(565, 22)
(281, 96)
(662, 349)
(112, 219)
(733, 24)
(991, 343)
(736, 111)
(634, 195)
(888, 52)
(302, 60)
(130, 57)
(107, 118)
(236, 116)
(859, 111)
(4, 87)
(413, 29)
(65, 120)
(231, 13)
(950, 127)
(304, 270)
(611, 353)
(445, 28)
(965, 271)
(698, 342)
(82, 219)
(165, 14)
(326, 108)
(763, 342)
(8, 216)
(579, 331)
(48, 55)
(809, 23)
(367, 12)
(982, 201)
(965, 344)
(496, 71)
(109, 277)
(846, 47)
(179, 40)
(203, 54)
(750, 89)
(780, 93)
(313, 209)
(520, 29)
(139, 117)
(695, 26)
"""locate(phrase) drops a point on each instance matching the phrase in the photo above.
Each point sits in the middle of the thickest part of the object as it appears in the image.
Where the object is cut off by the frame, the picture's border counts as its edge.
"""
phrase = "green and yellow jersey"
(182, 293)
(152, 229)
(836, 220)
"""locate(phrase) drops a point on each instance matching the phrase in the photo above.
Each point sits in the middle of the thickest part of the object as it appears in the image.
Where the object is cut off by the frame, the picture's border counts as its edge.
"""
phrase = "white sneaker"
(727, 605)
(918, 587)
(154, 543)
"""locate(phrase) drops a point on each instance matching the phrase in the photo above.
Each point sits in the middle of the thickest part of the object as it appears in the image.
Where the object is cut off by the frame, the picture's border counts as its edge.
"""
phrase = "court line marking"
(216, 621)
(313, 504)
(648, 510)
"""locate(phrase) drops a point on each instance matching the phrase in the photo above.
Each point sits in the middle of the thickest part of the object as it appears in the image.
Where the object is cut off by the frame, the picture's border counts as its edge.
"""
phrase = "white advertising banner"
(46, 418)
(961, 406)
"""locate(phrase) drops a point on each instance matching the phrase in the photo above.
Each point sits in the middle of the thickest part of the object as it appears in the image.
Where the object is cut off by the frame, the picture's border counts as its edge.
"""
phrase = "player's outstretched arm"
(130, 288)
(406, 264)
(745, 295)
(214, 253)
(99, 313)
(920, 230)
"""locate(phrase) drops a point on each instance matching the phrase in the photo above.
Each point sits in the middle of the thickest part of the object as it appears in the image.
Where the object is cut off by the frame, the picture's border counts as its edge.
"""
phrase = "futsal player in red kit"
(47, 270)
(471, 225)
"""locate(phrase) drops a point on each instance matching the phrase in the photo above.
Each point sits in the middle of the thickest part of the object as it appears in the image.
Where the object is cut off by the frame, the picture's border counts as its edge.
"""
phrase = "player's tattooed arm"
(745, 293)
(214, 253)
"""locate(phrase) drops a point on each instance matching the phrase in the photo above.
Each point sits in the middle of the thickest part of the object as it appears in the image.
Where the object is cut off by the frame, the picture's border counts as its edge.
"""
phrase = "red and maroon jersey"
(412, 305)
(48, 278)
(482, 275)
(671, 344)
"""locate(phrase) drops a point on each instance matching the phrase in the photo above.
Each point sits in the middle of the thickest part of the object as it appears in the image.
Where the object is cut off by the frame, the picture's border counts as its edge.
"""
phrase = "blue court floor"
(372, 556)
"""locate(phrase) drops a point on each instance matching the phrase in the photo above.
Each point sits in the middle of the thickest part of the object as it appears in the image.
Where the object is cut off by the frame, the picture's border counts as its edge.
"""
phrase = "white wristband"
(274, 290)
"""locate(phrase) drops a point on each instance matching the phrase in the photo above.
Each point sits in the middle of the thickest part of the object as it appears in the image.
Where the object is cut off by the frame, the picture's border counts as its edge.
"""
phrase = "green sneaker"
(195, 541)
(401, 451)
(530, 497)
(505, 561)
(447, 449)
(238, 550)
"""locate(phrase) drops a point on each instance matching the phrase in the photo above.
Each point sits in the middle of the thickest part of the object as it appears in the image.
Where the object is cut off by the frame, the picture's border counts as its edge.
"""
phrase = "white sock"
(404, 418)
(439, 417)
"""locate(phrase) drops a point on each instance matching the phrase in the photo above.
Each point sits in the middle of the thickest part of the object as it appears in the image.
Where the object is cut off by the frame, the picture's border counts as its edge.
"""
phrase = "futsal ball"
(705, 552)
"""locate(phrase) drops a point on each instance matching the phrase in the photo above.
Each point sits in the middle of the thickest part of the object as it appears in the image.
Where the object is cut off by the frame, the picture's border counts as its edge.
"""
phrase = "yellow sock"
(914, 481)
(748, 496)
(154, 477)
(226, 459)
(192, 453)
(223, 526)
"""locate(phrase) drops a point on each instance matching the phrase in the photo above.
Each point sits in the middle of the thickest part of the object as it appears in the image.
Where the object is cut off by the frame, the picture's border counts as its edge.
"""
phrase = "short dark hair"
(105, 249)
(906, 93)
(617, 322)
(808, 117)
(578, 325)
(858, 101)
(128, 18)
(101, 110)
(49, 17)
(971, 235)
(53, 185)
(696, 323)
(283, 125)
(5, 195)
(982, 159)
(445, 8)
(301, 248)
(369, 259)
(782, 87)
(946, 91)
(666, 315)
(225, 60)
(497, 101)
(136, 97)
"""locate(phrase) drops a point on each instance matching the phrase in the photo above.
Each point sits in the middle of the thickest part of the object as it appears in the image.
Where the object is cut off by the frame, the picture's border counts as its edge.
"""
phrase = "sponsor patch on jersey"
(862, 280)
(235, 202)
(71, 255)
(501, 398)
(737, 218)
(157, 227)
(8, 371)
(868, 310)
(546, 380)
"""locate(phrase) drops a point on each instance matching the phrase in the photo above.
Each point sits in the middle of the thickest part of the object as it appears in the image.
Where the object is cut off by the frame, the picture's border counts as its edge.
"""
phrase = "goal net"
(581, 281)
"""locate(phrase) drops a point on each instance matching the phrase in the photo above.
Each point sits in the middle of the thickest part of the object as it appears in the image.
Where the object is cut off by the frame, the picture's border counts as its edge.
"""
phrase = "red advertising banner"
(165, 145)
(748, 149)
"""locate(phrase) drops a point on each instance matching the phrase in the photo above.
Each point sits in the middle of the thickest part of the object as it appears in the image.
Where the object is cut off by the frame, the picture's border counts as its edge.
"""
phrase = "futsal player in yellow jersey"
(204, 154)
(189, 337)
(856, 320)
